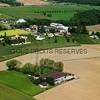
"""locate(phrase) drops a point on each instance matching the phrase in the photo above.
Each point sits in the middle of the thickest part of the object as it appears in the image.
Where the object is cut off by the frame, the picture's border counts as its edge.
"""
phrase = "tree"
(88, 17)
(28, 68)
(50, 64)
(84, 30)
(46, 66)
(50, 81)
(13, 64)
(37, 70)
(49, 15)
(59, 66)
(47, 63)
(44, 13)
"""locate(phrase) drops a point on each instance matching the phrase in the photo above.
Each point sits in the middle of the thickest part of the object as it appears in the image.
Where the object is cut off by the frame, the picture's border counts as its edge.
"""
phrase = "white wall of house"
(62, 79)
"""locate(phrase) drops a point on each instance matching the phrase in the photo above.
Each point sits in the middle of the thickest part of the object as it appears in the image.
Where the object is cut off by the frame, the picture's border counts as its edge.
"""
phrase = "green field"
(7, 93)
(58, 12)
(4, 16)
(14, 32)
(19, 82)
(7, 52)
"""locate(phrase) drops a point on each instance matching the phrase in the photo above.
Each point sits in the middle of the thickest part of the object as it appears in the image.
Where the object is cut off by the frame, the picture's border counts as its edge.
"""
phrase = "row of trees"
(45, 66)
(92, 2)
(88, 17)
(51, 11)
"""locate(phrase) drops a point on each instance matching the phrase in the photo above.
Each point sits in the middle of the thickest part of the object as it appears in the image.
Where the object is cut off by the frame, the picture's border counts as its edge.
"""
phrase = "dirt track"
(86, 66)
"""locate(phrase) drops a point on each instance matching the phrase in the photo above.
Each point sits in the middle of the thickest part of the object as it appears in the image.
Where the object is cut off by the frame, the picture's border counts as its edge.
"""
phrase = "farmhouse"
(60, 77)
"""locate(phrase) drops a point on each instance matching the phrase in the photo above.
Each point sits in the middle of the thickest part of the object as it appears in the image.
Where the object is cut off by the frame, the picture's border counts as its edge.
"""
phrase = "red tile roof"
(57, 74)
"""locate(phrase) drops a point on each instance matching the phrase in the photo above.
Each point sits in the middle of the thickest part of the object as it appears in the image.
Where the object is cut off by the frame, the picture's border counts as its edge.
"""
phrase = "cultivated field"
(85, 88)
(20, 82)
(12, 95)
(33, 2)
(94, 28)
(84, 65)
(4, 5)
(57, 12)
(14, 32)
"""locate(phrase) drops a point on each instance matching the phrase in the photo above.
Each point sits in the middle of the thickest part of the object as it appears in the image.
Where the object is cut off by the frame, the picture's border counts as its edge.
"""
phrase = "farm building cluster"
(39, 32)
(54, 78)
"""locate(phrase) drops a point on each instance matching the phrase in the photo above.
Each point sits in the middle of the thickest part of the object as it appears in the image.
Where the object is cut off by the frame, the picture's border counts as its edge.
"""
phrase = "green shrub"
(28, 68)
(13, 65)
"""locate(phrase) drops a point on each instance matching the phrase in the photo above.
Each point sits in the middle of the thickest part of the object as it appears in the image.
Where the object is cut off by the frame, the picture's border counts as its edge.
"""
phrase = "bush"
(59, 66)
(13, 65)
(28, 68)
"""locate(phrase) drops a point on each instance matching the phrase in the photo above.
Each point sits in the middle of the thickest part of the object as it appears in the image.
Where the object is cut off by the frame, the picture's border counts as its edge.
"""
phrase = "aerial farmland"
(49, 50)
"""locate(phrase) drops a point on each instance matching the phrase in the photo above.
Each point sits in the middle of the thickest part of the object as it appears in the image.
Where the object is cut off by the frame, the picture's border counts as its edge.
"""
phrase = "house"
(60, 77)
(34, 28)
(39, 38)
(50, 35)
(21, 21)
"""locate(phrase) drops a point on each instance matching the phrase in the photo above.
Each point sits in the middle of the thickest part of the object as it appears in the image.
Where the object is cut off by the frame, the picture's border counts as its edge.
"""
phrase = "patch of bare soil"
(4, 5)
(33, 2)
(93, 28)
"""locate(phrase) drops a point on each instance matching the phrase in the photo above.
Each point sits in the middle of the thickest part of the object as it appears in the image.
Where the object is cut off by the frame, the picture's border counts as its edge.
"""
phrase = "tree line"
(91, 2)
(90, 17)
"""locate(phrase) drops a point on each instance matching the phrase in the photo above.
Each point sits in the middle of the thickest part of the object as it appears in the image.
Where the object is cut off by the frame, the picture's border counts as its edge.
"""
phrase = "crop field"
(19, 82)
(56, 12)
(4, 16)
(7, 93)
(14, 32)
(32, 2)
(9, 52)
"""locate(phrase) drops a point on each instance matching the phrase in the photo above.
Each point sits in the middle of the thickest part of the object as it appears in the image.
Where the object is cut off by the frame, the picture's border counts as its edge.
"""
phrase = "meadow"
(56, 12)
(14, 32)
(19, 82)
(8, 52)
(7, 93)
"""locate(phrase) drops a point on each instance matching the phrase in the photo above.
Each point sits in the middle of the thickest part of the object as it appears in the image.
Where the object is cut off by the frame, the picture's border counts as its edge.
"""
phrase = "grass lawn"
(7, 93)
(7, 52)
(14, 32)
(58, 12)
(19, 82)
